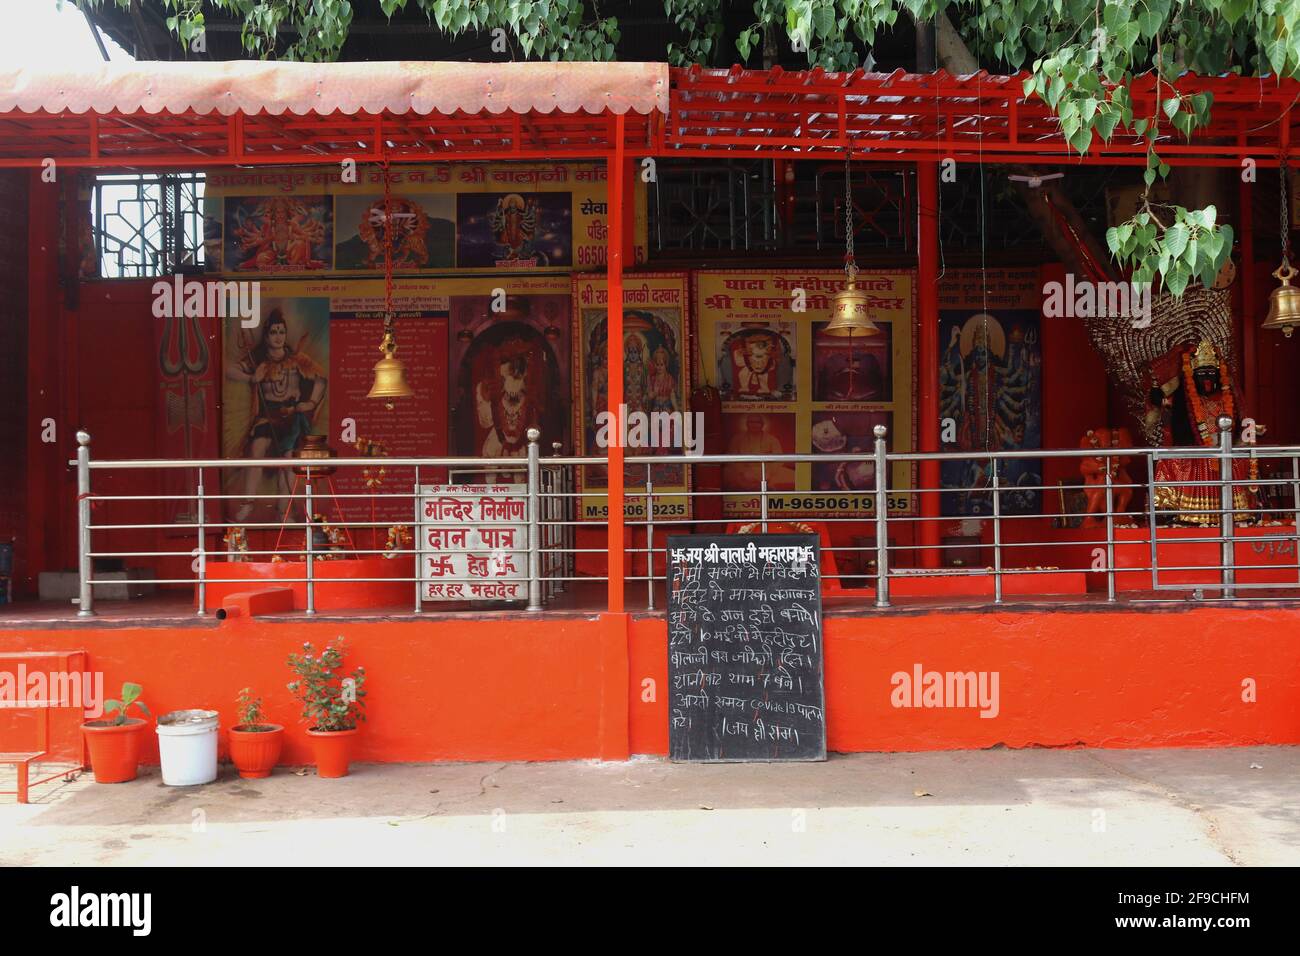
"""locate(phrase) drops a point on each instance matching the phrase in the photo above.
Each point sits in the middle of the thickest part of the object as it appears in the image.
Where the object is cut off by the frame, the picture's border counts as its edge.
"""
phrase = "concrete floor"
(1067, 807)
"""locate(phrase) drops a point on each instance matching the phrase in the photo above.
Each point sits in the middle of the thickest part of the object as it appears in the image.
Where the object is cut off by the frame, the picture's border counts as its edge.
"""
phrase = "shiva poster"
(276, 393)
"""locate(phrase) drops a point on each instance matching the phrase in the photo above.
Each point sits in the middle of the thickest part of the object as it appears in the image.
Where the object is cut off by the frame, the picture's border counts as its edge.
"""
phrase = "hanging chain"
(1284, 211)
(850, 262)
(388, 258)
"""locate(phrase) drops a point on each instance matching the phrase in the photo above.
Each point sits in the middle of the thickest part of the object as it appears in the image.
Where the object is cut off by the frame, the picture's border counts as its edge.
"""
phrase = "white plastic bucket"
(187, 744)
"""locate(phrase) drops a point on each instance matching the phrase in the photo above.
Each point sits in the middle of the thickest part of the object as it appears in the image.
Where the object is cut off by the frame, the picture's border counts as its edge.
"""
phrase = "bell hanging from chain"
(390, 373)
(1283, 302)
(850, 315)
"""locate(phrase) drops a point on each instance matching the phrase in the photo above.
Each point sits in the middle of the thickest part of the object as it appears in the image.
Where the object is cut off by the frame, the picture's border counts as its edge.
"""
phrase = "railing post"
(534, 522)
(561, 513)
(309, 530)
(203, 553)
(882, 514)
(1110, 533)
(1151, 519)
(85, 566)
(1295, 503)
(997, 535)
(762, 495)
(650, 538)
(417, 543)
(1226, 504)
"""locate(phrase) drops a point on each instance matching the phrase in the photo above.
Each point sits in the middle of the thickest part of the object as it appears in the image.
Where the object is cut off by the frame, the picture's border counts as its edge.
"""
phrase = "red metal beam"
(614, 364)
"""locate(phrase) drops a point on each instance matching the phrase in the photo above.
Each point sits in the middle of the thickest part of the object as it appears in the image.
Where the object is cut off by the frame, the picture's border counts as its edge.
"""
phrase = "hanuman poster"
(510, 367)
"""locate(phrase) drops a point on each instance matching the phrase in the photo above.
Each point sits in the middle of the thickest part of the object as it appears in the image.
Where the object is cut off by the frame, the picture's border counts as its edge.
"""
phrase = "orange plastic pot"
(114, 748)
(333, 750)
(256, 752)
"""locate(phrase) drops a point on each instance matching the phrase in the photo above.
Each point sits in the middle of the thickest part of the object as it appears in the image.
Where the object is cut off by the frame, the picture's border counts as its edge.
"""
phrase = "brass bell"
(1283, 302)
(390, 373)
(850, 315)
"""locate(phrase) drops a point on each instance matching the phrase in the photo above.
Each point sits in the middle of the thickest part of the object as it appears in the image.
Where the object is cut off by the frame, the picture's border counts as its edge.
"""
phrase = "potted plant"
(114, 742)
(332, 704)
(254, 743)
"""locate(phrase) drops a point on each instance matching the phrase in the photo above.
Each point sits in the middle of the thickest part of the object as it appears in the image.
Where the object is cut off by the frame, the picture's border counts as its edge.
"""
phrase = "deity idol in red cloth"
(1190, 390)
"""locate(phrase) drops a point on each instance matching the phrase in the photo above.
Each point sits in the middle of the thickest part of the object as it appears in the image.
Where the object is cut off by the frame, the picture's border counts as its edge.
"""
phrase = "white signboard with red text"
(473, 542)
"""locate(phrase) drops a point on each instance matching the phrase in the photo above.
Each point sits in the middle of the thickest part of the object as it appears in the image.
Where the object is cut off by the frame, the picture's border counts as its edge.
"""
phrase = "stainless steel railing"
(899, 516)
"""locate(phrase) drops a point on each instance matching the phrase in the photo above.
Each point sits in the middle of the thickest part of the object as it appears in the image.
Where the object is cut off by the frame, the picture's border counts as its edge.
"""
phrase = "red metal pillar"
(617, 172)
(46, 461)
(1246, 282)
(927, 314)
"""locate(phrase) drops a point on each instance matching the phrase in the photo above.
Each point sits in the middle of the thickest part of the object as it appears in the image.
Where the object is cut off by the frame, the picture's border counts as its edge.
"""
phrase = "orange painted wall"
(1099, 678)
(437, 690)
(597, 687)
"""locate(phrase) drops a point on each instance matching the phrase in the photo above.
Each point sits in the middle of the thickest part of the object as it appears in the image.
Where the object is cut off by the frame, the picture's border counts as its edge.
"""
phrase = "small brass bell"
(390, 373)
(1283, 302)
(850, 315)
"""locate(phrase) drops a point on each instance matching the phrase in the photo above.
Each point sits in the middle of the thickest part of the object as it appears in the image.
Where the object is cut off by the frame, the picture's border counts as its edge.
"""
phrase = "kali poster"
(788, 388)
(990, 387)
(483, 217)
(656, 388)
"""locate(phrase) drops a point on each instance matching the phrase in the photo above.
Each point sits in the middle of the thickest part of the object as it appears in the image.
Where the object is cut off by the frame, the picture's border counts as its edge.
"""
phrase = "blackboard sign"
(745, 648)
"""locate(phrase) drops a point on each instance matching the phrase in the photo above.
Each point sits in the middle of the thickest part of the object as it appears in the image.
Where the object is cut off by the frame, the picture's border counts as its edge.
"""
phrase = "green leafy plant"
(249, 709)
(130, 696)
(330, 700)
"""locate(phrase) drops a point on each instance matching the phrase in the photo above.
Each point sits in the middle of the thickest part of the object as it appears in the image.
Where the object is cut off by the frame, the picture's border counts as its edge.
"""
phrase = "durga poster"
(279, 233)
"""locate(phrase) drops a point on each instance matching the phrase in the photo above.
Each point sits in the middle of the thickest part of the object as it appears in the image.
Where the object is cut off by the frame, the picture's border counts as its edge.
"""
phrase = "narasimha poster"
(307, 366)
(656, 390)
(483, 217)
(788, 388)
(990, 387)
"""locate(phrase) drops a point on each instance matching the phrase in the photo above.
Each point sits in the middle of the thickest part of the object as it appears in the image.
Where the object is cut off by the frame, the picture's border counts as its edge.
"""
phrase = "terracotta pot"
(333, 750)
(114, 748)
(256, 752)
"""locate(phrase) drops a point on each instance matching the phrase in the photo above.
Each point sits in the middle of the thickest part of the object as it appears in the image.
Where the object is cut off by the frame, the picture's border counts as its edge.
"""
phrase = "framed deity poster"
(655, 418)
(990, 388)
(789, 388)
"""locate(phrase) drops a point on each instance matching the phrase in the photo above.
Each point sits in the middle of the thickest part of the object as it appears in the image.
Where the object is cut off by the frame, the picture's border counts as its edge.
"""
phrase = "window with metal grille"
(147, 224)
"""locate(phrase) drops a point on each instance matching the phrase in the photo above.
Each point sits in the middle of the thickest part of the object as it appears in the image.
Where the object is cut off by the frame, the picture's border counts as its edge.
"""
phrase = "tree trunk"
(1073, 250)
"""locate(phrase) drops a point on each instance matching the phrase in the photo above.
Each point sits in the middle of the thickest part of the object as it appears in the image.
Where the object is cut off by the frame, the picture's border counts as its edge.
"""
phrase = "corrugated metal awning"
(160, 114)
(324, 88)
